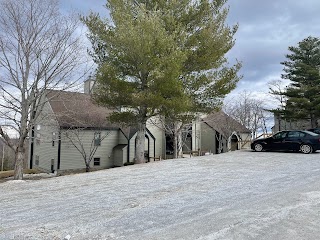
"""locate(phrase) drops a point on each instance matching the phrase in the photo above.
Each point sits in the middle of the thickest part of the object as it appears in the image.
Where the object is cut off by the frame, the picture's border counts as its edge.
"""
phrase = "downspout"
(59, 150)
(31, 148)
(128, 151)
(32, 140)
(154, 149)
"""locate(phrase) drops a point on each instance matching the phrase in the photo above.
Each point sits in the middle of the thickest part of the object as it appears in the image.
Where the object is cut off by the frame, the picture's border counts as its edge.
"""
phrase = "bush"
(128, 163)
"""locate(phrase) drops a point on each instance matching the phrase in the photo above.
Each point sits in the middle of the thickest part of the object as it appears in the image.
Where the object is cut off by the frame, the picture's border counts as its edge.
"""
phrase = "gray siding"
(208, 139)
(120, 155)
(71, 158)
(159, 134)
(122, 138)
(44, 151)
(196, 136)
(283, 124)
(132, 147)
(151, 148)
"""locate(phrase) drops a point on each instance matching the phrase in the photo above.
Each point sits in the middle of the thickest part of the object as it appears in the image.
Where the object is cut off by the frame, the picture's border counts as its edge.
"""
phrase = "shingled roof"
(74, 109)
(224, 124)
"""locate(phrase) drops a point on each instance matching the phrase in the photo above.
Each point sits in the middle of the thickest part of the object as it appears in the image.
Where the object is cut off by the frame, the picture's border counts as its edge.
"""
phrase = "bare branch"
(40, 49)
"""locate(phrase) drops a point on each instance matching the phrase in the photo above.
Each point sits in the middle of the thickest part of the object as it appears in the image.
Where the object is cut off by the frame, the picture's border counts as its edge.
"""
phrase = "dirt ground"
(237, 195)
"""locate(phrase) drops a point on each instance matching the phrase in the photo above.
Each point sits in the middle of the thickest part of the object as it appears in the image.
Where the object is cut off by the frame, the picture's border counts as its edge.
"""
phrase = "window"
(97, 138)
(296, 134)
(280, 135)
(96, 162)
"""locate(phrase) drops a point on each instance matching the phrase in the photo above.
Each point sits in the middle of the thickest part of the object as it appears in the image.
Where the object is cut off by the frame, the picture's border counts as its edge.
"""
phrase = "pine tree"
(161, 57)
(303, 93)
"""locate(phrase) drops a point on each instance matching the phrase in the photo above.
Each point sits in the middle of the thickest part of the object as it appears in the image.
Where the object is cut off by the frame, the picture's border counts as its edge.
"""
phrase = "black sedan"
(304, 141)
(315, 130)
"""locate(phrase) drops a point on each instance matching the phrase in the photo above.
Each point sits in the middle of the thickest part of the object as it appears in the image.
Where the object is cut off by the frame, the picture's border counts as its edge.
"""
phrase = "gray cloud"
(266, 30)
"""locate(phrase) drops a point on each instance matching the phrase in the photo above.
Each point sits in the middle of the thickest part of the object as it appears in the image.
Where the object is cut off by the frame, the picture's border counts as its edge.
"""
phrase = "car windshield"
(312, 133)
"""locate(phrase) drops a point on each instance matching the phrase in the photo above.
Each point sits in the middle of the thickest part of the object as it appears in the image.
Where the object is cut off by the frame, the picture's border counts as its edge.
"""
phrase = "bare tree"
(175, 127)
(248, 111)
(277, 90)
(40, 49)
(77, 137)
(80, 121)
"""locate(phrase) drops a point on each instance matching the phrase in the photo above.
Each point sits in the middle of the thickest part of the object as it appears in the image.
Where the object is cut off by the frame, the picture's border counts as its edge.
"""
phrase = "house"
(71, 128)
(281, 124)
(217, 133)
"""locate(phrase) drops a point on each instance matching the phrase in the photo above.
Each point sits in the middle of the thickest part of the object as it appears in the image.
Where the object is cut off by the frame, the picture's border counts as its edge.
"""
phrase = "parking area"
(236, 195)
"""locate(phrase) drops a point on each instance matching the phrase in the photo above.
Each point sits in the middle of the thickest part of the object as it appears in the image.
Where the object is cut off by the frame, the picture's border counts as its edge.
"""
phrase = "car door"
(278, 141)
(293, 140)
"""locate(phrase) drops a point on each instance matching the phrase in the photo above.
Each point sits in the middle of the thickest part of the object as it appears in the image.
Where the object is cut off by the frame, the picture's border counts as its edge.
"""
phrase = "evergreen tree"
(303, 93)
(161, 57)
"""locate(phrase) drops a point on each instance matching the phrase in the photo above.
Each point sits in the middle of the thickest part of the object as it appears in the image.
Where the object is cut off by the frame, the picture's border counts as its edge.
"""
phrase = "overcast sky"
(266, 30)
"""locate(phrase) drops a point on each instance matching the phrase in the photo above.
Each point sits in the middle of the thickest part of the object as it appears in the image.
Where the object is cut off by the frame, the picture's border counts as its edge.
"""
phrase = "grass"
(10, 173)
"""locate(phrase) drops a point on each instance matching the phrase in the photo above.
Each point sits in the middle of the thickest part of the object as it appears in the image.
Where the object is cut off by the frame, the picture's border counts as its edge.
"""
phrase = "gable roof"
(74, 109)
(224, 124)
(77, 110)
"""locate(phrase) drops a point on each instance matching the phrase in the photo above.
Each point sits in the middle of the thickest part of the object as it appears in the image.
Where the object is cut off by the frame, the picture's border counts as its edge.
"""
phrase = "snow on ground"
(237, 195)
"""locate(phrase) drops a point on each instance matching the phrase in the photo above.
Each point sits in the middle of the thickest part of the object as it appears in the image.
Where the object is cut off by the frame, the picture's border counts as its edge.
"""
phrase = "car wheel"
(258, 147)
(306, 148)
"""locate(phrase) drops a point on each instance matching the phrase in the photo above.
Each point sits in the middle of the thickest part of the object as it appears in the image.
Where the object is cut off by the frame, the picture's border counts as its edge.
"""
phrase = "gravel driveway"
(237, 195)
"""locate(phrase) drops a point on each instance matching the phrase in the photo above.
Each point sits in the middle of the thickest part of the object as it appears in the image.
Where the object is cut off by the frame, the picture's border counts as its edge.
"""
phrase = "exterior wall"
(159, 135)
(245, 140)
(122, 138)
(196, 136)
(46, 148)
(71, 158)
(120, 156)
(132, 147)
(151, 148)
(208, 138)
(45, 143)
(282, 124)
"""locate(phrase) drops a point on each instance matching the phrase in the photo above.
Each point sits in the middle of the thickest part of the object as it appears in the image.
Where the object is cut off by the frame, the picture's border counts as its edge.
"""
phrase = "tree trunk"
(177, 140)
(18, 166)
(313, 121)
(175, 145)
(140, 140)
(180, 143)
(87, 162)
